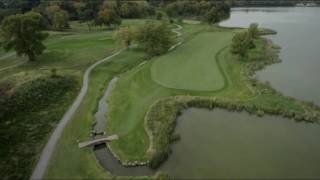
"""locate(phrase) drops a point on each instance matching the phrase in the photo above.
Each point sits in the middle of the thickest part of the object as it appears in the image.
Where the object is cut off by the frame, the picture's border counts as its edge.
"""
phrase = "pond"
(298, 35)
(221, 144)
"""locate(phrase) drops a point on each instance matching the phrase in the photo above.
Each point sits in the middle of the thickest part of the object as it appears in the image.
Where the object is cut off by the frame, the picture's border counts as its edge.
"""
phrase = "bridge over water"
(98, 141)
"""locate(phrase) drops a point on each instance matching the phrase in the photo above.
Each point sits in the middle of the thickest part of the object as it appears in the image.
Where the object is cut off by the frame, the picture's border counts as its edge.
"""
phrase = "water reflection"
(219, 144)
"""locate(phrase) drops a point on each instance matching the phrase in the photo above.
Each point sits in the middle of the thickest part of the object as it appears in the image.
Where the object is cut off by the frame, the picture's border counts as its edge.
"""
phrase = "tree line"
(98, 12)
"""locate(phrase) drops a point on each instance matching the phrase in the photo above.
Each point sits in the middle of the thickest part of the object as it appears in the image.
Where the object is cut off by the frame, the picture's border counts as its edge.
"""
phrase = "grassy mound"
(193, 66)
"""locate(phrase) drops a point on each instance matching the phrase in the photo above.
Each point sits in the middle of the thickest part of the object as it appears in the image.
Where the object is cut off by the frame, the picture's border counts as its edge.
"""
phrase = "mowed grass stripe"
(193, 66)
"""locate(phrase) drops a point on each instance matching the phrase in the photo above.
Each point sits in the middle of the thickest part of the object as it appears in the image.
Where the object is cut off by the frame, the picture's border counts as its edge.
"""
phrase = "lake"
(298, 35)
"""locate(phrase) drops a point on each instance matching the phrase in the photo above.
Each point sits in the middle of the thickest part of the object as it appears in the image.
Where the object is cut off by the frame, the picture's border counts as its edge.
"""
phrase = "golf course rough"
(193, 65)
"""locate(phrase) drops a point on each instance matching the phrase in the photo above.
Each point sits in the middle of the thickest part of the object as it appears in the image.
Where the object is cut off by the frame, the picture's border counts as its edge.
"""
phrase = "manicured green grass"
(193, 65)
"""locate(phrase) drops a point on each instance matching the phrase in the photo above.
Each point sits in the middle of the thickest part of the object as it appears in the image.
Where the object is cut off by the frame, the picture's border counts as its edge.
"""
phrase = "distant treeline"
(237, 3)
(89, 9)
(264, 3)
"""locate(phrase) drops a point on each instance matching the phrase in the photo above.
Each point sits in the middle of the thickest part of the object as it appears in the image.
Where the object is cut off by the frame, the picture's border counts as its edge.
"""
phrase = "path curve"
(49, 148)
(179, 36)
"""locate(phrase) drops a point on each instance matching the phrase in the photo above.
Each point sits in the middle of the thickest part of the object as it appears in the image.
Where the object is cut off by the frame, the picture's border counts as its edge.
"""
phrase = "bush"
(260, 113)
(159, 15)
(253, 31)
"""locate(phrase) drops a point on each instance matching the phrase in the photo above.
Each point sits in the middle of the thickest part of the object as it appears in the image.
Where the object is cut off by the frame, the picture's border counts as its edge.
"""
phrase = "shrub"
(253, 31)
(159, 15)
(260, 113)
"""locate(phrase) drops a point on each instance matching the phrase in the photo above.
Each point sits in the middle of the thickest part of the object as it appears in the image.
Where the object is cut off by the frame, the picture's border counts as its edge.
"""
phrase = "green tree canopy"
(241, 43)
(135, 9)
(126, 35)
(57, 17)
(60, 20)
(23, 33)
(155, 38)
(108, 17)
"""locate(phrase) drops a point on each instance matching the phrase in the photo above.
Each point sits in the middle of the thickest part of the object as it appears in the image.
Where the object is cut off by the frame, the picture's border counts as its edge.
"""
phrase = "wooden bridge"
(98, 141)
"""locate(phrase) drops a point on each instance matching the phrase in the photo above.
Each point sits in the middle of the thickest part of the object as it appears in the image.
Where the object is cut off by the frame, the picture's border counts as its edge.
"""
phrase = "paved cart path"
(49, 148)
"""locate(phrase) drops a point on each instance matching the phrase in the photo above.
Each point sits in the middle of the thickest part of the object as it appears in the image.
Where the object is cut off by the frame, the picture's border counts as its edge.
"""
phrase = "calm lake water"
(298, 34)
(220, 144)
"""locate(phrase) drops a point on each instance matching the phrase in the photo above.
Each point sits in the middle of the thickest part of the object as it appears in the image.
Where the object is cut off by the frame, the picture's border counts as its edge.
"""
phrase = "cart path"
(49, 148)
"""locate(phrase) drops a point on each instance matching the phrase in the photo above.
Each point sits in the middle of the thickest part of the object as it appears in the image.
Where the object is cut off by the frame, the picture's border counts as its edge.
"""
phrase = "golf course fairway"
(193, 66)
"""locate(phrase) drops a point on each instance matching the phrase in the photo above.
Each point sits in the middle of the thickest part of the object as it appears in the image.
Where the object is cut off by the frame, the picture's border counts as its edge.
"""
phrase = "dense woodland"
(84, 9)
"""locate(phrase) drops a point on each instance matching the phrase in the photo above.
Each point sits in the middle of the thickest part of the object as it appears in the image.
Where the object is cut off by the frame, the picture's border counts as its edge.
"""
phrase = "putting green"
(193, 66)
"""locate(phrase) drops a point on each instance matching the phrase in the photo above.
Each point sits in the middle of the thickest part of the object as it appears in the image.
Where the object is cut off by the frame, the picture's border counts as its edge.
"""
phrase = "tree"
(125, 10)
(89, 11)
(108, 17)
(217, 13)
(21, 5)
(154, 38)
(57, 17)
(135, 9)
(125, 35)
(241, 43)
(85, 16)
(212, 16)
(60, 20)
(253, 30)
(22, 32)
